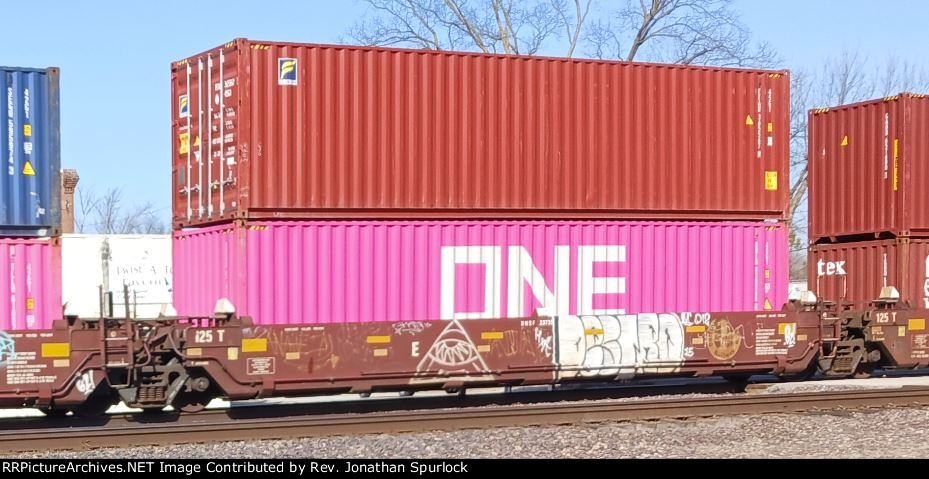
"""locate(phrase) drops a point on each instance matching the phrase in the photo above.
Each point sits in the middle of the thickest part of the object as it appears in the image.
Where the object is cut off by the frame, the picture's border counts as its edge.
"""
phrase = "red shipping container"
(281, 130)
(358, 271)
(857, 271)
(30, 283)
(869, 169)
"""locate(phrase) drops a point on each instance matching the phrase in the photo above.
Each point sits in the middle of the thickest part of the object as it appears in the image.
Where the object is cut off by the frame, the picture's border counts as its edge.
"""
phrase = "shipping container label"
(287, 71)
(184, 139)
(183, 106)
(919, 346)
(775, 341)
(770, 180)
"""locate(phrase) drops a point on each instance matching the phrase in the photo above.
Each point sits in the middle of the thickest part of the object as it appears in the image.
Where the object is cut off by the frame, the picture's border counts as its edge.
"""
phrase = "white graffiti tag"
(544, 342)
(453, 354)
(620, 345)
(7, 348)
(790, 335)
(85, 384)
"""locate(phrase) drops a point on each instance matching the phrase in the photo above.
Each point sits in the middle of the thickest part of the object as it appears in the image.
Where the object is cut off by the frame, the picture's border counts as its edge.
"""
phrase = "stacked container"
(319, 183)
(30, 220)
(869, 208)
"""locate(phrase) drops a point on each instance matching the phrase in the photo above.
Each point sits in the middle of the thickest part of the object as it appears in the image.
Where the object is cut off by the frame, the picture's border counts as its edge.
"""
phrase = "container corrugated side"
(869, 168)
(316, 131)
(93, 261)
(857, 271)
(30, 152)
(30, 283)
(334, 272)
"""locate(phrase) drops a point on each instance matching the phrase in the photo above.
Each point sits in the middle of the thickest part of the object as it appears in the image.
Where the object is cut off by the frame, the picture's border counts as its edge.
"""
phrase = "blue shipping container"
(30, 152)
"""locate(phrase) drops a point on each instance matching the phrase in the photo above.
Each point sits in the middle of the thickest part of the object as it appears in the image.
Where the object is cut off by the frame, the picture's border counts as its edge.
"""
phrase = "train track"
(281, 422)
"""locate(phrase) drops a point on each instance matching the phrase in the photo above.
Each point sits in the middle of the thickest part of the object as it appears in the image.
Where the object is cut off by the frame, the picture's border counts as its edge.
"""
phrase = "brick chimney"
(69, 179)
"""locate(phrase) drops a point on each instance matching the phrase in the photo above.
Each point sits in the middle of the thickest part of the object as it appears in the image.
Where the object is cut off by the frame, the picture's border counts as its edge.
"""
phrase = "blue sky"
(115, 58)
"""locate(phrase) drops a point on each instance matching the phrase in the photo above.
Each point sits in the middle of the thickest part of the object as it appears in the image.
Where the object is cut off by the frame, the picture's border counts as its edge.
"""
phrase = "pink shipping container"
(353, 271)
(30, 283)
(869, 169)
(272, 131)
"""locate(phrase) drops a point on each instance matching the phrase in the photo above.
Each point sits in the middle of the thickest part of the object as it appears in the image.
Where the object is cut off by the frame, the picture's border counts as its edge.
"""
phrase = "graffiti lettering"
(544, 342)
(7, 348)
(411, 327)
(620, 345)
(85, 384)
(926, 284)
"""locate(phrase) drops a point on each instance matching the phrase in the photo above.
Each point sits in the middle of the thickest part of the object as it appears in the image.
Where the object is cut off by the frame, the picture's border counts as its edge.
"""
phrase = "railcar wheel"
(193, 401)
(96, 404)
(737, 378)
(804, 375)
(738, 381)
(54, 412)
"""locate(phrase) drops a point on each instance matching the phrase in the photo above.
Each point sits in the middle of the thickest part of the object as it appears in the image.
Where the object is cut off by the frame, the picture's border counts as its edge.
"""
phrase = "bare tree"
(706, 32)
(86, 205)
(798, 264)
(490, 26)
(898, 76)
(105, 215)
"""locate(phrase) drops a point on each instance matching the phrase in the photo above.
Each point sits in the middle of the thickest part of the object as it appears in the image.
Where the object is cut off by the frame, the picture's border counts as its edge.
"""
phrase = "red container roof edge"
(248, 41)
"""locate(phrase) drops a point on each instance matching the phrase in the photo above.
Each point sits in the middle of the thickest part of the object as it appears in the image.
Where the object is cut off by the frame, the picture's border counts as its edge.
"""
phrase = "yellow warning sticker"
(30, 303)
(492, 335)
(194, 352)
(254, 345)
(901, 330)
(231, 353)
(749, 121)
(784, 327)
(917, 324)
(896, 163)
(27, 130)
(767, 273)
(56, 350)
(696, 329)
(378, 339)
(593, 332)
(845, 140)
(770, 127)
(770, 180)
(197, 140)
(768, 307)
(185, 143)
(28, 170)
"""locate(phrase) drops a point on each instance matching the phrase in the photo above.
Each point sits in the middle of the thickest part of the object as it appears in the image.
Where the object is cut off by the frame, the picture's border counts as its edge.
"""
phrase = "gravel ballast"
(822, 434)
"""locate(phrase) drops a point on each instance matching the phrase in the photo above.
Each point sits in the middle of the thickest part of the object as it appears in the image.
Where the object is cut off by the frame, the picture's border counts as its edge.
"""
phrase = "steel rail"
(254, 423)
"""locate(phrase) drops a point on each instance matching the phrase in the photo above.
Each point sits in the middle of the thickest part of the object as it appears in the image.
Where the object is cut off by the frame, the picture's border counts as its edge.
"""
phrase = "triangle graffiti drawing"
(453, 354)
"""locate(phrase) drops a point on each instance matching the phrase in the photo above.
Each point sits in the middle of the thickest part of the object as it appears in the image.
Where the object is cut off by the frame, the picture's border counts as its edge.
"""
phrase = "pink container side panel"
(30, 284)
(320, 272)
(210, 269)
